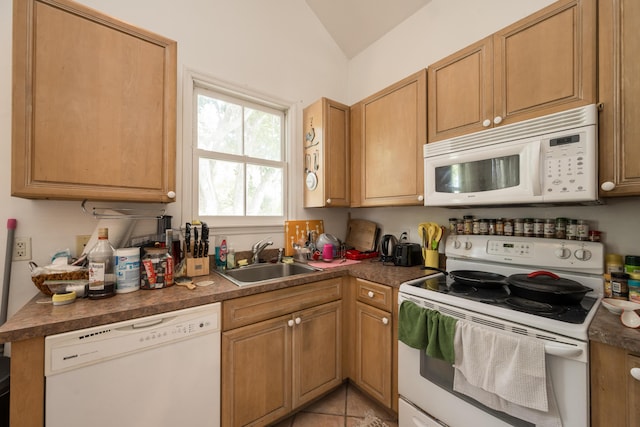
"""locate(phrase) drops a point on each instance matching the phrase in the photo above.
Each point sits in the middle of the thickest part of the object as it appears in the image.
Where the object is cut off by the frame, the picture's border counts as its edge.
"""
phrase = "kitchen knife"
(205, 239)
(187, 237)
(196, 243)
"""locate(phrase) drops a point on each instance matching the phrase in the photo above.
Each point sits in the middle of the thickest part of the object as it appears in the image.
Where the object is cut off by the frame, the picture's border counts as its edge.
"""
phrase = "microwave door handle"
(536, 167)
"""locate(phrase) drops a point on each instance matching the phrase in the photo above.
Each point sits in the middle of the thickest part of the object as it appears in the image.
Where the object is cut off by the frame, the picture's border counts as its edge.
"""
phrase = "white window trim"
(191, 79)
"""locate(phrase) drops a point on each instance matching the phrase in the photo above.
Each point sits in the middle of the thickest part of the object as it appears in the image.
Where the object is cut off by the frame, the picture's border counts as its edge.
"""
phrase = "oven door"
(427, 383)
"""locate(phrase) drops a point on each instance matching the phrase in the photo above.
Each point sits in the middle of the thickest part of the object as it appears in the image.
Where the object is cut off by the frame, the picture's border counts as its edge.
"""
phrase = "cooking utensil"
(196, 243)
(205, 239)
(630, 319)
(544, 286)
(187, 237)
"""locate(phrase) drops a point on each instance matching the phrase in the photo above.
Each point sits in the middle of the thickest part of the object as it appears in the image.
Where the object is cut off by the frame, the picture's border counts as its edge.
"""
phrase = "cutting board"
(361, 235)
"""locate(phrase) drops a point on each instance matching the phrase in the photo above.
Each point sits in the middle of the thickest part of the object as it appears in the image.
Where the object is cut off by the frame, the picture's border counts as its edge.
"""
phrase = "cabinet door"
(393, 135)
(94, 119)
(355, 142)
(326, 154)
(256, 374)
(460, 93)
(619, 90)
(546, 62)
(633, 390)
(374, 348)
(317, 351)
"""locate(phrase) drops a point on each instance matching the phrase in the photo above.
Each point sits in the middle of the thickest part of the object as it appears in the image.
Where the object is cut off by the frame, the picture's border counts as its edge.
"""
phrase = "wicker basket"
(70, 275)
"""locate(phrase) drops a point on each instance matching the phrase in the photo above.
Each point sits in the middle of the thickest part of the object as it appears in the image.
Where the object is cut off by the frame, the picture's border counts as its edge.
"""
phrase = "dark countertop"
(607, 329)
(40, 318)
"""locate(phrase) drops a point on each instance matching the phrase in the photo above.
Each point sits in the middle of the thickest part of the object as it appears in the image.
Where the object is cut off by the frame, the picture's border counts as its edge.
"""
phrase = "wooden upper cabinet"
(393, 132)
(619, 90)
(540, 65)
(326, 154)
(94, 106)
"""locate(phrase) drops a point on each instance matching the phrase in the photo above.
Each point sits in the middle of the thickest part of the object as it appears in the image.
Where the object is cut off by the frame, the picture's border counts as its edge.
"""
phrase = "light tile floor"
(345, 407)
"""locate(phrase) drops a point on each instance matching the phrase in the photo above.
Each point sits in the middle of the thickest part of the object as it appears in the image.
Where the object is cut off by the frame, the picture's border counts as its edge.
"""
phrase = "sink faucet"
(257, 248)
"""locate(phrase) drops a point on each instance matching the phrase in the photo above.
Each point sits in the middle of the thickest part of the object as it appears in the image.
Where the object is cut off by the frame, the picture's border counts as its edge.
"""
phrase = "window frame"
(195, 82)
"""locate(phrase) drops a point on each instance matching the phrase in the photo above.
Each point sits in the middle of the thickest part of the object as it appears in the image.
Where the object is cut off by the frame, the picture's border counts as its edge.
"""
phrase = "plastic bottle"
(102, 279)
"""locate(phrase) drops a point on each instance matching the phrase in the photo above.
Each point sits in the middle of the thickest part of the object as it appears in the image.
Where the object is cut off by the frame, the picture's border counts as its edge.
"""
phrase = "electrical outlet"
(81, 242)
(398, 234)
(22, 248)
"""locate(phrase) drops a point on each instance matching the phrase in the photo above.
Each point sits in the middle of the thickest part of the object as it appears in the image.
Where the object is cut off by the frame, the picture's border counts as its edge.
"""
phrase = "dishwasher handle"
(149, 323)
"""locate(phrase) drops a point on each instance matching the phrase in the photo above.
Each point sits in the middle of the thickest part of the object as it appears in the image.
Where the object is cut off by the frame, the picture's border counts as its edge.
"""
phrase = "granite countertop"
(607, 329)
(39, 317)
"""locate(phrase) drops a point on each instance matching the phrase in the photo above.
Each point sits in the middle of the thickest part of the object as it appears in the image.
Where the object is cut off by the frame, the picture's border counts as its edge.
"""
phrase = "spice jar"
(582, 230)
(572, 226)
(468, 224)
(594, 235)
(453, 228)
(508, 227)
(561, 228)
(528, 227)
(483, 227)
(549, 228)
(500, 227)
(475, 229)
(538, 227)
(492, 227)
(460, 226)
(619, 286)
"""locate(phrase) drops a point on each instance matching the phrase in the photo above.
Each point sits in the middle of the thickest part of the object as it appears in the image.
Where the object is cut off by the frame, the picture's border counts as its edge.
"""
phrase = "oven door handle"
(562, 350)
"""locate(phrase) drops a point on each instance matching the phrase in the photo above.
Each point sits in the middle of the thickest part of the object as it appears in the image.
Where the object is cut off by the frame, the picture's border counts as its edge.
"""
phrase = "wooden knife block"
(197, 266)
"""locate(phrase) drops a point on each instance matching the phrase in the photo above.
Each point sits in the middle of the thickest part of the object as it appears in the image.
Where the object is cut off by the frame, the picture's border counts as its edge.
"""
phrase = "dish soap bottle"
(102, 279)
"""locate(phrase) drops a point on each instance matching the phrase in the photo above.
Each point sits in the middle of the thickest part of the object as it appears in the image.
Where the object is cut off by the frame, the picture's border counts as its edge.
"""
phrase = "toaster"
(407, 254)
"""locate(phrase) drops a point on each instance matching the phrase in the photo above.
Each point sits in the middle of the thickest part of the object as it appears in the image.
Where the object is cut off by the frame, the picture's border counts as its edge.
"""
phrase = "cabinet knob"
(497, 120)
(171, 194)
(290, 323)
(486, 123)
(635, 373)
(385, 320)
(298, 320)
(607, 186)
(370, 294)
(328, 201)
(421, 197)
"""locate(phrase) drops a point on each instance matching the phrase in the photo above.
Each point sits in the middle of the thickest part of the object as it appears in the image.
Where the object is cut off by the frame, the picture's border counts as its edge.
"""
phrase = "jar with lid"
(500, 227)
(518, 227)
(561, 228)
(483, 227)
(572, 226)
(475, 229)
(538, 227)
(492, 227)
(549, 228)
(582, 230)
(620, 286)
(460, 226)
(595, 235)
(157, 269)
(613, 263)
(453, 228)
(632, 264)
(508, 227)
(468, 224)
(528, 227)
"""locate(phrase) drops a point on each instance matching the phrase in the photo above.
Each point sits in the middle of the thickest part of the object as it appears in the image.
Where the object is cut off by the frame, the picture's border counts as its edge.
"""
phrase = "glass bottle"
(102, 278)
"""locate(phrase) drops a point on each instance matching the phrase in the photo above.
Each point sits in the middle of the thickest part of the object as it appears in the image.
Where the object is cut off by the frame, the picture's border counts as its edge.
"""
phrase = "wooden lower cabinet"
(615, 393)
(273, 366)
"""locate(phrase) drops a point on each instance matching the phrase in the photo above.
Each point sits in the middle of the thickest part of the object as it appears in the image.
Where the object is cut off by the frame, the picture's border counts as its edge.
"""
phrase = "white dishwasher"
(160, 371)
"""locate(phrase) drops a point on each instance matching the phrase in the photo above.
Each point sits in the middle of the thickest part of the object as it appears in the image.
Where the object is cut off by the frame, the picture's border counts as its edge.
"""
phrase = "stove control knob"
(467, 245)
(583, 254)
(563, 253)
(456, 244)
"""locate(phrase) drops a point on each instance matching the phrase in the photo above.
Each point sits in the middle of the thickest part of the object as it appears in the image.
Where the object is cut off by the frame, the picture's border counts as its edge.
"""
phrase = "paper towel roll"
(120, 230)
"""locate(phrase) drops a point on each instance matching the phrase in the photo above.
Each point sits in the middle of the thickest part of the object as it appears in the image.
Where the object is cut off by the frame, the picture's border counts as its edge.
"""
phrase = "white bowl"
(617, 306)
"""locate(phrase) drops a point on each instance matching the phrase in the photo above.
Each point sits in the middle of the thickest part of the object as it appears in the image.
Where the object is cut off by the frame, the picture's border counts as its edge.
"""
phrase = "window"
(240, 157)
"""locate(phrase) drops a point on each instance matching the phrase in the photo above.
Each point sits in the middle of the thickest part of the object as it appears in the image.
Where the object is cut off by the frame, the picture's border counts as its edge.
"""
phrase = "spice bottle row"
(552, 228)
(622, 277)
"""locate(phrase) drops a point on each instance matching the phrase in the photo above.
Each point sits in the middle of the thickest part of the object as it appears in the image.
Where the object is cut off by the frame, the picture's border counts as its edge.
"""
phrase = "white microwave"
(549, 159)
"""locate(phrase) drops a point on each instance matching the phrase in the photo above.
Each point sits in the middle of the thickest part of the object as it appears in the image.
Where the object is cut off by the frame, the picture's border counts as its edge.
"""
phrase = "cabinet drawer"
(374, 294)
(255, 308)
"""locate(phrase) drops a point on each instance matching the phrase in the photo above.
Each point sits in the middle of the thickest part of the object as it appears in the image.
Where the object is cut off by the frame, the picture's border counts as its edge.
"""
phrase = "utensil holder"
(432, 258)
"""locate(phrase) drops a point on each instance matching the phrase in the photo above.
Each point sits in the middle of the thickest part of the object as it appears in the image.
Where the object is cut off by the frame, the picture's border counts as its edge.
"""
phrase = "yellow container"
(432, 258)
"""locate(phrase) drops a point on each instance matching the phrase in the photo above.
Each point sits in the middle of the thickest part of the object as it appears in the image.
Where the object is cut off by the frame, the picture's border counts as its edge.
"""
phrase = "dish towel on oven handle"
(427, 330)
(504, 372)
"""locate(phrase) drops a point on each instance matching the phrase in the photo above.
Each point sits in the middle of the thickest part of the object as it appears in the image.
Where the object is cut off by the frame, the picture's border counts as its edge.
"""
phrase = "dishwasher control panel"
(74, 349)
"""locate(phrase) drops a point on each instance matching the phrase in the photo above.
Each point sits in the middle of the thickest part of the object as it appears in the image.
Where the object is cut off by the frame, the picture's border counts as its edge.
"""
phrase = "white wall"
(276, 47)
(440, 28)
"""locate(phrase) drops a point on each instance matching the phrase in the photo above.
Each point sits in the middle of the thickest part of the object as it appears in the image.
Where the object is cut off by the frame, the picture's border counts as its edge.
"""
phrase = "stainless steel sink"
(256, 273)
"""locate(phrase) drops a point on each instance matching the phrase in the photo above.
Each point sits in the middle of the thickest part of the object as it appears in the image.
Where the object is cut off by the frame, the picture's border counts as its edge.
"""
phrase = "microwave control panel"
(569, 165)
